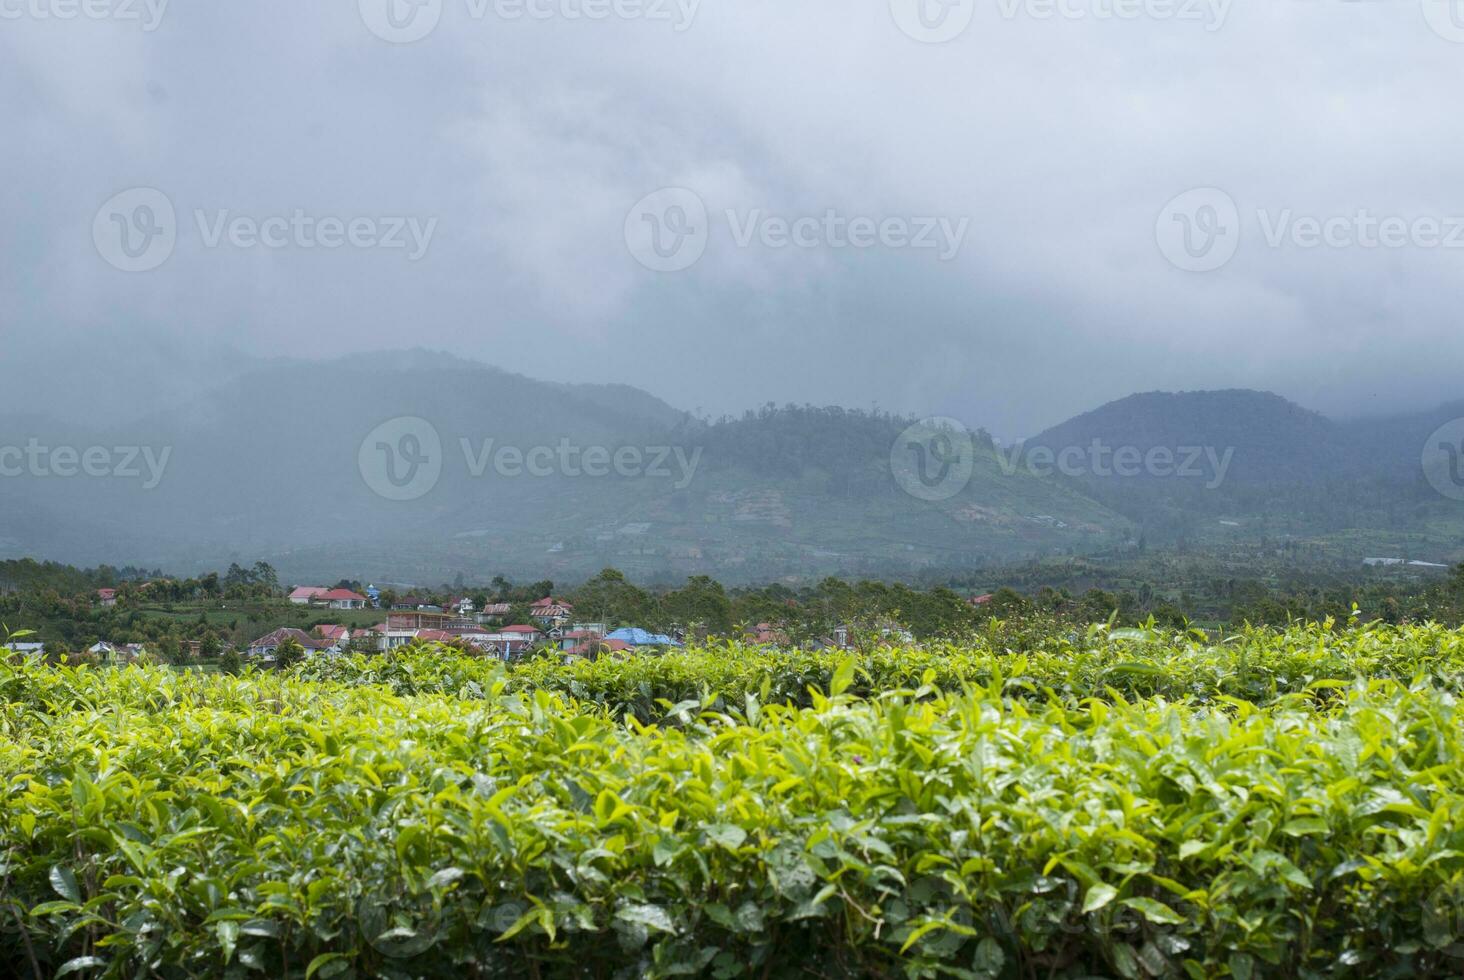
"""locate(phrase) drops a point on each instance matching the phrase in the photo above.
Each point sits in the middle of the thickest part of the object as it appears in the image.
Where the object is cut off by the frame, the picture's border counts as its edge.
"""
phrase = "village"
(411, 619)
(549, 626)
(460, 622)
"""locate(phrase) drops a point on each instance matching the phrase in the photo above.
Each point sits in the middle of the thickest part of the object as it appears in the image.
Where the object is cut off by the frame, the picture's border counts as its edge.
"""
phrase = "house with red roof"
(766, 634)
(551, 612)
(337, 636)
(596, 648)
(107, 598)
(311, 595)
(340, 599)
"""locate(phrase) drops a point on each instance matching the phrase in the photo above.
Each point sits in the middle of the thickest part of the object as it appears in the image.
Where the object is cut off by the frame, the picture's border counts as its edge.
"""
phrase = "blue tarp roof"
(637, 637)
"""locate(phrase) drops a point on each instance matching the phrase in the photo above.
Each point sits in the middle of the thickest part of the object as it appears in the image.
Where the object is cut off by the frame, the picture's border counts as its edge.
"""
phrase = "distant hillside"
(269, 464)
(1275, 441)
(1394, 443)
(417, 466)
(1269, 468)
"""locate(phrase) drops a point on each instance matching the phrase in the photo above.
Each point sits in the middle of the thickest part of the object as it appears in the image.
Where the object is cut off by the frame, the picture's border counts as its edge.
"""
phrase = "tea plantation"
(1130, 804)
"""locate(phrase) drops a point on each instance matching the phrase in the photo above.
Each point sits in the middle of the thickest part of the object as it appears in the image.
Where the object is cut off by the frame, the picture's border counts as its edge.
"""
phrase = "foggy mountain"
(294, 462)
(270, 464)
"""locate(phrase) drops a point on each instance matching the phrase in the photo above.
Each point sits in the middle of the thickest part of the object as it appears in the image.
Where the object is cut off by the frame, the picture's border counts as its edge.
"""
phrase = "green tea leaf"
(1098, 896)
(79, 964)
(64, 883)
(1155, 912)
(323, 960)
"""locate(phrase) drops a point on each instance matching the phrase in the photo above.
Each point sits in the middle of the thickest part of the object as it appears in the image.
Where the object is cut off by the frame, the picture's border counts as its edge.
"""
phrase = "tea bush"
(160, 824)
(1257, 665)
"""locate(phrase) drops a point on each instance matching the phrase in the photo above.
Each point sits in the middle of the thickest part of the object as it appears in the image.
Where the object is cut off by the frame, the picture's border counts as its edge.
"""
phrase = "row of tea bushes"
(1257, 666)
(166, 825)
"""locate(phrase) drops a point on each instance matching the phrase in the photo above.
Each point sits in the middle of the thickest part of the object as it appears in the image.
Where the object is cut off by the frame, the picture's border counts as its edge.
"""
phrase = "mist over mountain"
(421, 465)
(1275, 440)
(1262, 466)
(287, 461)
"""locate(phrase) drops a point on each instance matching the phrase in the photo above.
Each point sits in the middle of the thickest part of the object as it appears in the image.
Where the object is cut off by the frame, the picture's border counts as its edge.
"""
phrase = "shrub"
(181, 824)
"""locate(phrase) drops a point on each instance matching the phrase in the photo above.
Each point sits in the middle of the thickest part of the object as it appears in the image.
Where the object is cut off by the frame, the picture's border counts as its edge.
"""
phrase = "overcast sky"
(1036, 154)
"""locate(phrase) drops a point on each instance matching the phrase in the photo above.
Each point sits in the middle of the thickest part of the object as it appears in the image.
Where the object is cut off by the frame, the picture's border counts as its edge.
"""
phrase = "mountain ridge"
(269, 463)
